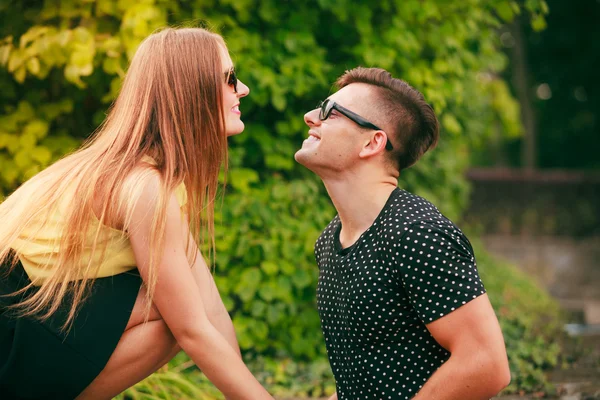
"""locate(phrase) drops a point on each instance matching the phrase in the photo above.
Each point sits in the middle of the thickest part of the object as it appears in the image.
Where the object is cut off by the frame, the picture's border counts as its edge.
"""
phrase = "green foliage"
(171, 383)
(564, 57)
(530, 320)
(266, 268)
(61, 64)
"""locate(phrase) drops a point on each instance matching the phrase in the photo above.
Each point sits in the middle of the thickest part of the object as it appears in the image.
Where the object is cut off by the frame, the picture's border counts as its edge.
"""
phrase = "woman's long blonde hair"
(169, 108)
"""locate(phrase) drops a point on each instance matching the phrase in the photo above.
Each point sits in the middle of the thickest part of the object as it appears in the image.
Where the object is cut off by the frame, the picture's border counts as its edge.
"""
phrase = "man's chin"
(301, 157)
(305, 158)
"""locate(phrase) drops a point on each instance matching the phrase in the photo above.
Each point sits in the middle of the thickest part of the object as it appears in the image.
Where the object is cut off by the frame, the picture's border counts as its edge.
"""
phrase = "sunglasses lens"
(232, 80)
(325, 110)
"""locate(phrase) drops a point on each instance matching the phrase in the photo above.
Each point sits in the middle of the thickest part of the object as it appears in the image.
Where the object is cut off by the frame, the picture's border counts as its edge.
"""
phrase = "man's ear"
(375, 145)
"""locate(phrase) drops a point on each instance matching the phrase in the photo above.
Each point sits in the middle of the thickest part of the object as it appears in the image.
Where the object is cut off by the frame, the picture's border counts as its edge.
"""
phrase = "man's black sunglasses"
(328, 105)
(232, 79)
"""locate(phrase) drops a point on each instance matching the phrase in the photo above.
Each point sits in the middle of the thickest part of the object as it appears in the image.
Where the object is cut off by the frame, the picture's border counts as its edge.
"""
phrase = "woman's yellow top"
(38, 245)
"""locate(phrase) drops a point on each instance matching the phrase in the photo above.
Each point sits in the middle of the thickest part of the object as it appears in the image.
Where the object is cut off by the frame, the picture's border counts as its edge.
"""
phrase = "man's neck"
(358, 203)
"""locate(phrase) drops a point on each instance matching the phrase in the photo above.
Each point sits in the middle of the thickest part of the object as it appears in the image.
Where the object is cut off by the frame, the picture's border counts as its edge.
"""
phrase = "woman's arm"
(180, 303)
(213, 304)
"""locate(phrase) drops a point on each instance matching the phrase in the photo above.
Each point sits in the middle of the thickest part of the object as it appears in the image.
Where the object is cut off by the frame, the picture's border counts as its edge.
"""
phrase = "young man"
(403, 311)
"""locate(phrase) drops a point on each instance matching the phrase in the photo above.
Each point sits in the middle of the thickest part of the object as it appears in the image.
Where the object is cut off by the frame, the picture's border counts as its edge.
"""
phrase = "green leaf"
(279, 162)
(38, 129)
(301, 279)
(73, 75)
(259, 329)
(274, 314)
(4, 54)
(242, 178)
(33, 65)
(258, 308)
(278, 100)
(20, 74)
(27, 141)
(269, 267)
(267, 293)
(248, 283)
(106, 7)
(451, 124)
(41, 155)
(22, 159)
(112, 66)
(505, 11)
(538, 23)
(32, 34)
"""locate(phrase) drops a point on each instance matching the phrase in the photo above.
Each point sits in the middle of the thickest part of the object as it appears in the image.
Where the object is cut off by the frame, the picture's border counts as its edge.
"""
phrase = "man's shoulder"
(407, 212)
(405, 209)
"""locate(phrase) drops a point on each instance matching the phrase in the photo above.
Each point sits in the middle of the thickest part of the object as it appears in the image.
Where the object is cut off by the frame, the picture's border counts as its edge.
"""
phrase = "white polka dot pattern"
(411, 267)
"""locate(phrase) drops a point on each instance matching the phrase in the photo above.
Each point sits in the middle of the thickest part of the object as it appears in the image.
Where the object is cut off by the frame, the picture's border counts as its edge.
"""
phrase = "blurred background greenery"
(511, 81)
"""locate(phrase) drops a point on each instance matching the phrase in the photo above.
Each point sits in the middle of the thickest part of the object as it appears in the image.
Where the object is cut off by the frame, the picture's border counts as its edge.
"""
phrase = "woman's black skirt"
(38, 361)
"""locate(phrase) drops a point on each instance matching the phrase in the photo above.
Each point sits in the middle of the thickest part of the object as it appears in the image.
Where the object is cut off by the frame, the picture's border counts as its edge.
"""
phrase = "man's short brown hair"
(415, 126)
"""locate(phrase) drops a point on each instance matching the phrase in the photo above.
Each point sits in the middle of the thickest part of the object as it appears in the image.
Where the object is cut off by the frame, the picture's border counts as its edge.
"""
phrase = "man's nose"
(311, 118)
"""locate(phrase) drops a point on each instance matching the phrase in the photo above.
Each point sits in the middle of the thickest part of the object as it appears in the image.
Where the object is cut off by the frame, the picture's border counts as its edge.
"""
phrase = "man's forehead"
(356, 95)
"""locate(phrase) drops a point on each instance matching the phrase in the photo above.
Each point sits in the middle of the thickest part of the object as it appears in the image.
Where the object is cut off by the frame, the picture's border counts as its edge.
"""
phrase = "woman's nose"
(242, 89)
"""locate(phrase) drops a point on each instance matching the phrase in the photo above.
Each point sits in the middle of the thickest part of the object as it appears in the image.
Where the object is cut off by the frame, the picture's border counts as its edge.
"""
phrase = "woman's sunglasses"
(326, 106)
(231, 79)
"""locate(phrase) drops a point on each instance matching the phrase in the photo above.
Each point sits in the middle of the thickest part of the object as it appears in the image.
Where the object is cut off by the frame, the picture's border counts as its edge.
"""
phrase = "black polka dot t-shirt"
(411, 267)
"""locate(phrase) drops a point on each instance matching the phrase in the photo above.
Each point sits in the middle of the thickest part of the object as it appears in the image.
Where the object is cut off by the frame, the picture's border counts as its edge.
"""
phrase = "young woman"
(101, 276)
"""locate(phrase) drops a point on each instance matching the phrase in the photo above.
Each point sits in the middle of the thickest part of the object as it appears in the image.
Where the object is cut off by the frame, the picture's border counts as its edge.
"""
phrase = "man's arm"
(478, 367)
(333, 397)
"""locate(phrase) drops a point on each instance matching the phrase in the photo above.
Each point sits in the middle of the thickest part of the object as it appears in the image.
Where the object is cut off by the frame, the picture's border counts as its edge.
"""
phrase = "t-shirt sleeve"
(438, 269)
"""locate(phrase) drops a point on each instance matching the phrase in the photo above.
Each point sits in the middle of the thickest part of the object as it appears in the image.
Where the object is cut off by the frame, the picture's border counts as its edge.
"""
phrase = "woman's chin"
(236, 129)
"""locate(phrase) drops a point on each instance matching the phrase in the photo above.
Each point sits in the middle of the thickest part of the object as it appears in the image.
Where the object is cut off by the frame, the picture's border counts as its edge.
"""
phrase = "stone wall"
(547, 223)
(517, 203)
(569, 268)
